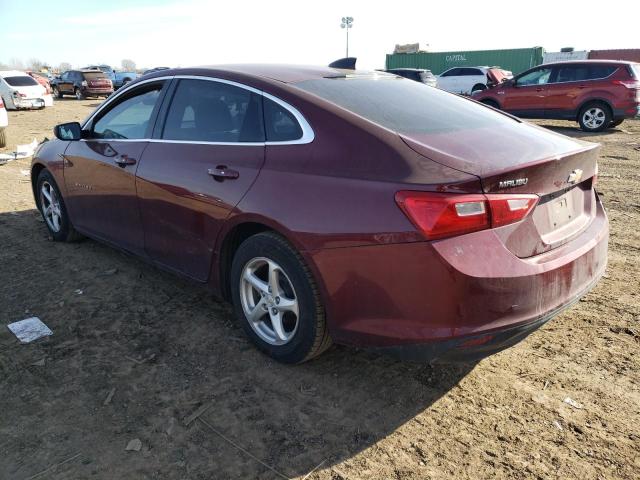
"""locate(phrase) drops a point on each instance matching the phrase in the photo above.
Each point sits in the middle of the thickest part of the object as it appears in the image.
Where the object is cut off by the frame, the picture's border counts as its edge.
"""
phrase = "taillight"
(1, 104)
(439, 215)
(633, 84)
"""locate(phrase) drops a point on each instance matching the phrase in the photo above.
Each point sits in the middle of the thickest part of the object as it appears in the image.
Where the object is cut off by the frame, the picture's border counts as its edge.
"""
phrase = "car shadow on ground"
(576, 132)
(138, 353)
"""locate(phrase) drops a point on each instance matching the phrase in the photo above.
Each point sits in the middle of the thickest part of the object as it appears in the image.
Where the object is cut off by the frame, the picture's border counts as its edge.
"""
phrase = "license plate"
(37, 103)
(562, 211)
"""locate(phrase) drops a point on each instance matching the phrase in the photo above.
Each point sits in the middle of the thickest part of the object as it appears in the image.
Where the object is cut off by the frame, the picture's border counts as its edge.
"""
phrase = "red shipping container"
(628, 54)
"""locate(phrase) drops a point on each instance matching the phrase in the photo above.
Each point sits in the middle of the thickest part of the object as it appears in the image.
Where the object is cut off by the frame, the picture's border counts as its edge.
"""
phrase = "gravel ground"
(143, 359)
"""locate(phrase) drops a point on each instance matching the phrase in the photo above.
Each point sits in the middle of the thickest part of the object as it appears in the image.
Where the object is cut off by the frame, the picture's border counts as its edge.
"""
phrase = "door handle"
(221, 172)
(539, 89)
(124, 160)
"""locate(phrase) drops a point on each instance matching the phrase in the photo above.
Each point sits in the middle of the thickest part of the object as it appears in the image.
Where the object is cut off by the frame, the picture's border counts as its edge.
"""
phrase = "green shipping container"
(516, 59)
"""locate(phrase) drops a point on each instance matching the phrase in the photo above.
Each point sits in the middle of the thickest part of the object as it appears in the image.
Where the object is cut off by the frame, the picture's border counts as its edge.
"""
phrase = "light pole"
(347, 23)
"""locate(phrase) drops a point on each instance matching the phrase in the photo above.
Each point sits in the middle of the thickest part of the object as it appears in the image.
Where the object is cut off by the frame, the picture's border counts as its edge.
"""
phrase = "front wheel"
(277, 301)
(53, 209)
(594, 117)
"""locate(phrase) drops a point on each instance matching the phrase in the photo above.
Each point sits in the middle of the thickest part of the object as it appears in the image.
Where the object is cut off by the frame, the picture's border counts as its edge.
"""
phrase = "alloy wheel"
(594, 117)
(269, 301)
(50, 205)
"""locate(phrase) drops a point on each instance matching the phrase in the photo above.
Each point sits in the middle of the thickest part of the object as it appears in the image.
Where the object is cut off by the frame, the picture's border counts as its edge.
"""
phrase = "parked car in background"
(336, 205)
(82, 84)
(598, 94)
(416, 74)
(4, 123)
(153, 70)
(43, 80)
(466, 80)
(21, 91)
(117, 78)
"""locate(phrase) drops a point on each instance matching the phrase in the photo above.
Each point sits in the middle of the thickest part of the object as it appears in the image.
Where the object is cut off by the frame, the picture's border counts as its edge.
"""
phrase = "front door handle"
(124, 160)
(221, 172)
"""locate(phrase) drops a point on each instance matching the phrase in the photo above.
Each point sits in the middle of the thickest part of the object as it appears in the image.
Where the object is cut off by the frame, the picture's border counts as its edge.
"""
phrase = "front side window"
(451, 73)
(280, 124)
(537, 77)
(129, 119)
(210, 111)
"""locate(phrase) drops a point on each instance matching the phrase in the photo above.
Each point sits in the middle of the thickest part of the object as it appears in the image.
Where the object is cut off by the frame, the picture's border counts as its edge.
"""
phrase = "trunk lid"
(523, 158)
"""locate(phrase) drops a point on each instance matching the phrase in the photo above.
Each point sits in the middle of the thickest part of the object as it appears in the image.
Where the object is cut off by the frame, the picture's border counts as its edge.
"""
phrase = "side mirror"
(68, 131)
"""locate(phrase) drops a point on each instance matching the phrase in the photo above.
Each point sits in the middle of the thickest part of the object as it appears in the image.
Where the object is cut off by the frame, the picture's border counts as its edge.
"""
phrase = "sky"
(197, 32)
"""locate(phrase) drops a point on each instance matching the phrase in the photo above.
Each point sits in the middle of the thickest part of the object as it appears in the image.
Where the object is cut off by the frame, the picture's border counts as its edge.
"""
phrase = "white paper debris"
(26, 150)
(573, 403)
(29, 329)
(78, 292)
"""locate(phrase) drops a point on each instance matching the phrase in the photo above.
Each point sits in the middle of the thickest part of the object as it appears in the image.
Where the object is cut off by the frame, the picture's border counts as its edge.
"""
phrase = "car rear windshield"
(94, 75)
(21, 81)
(403, 105)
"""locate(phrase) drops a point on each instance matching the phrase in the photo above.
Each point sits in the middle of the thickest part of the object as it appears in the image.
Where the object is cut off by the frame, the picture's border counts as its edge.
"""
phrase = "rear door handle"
(221, 172)
(124, 160)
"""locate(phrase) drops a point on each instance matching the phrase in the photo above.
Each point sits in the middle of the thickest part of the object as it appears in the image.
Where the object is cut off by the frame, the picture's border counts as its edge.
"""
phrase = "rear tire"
(594, 117)
(478, 87)
(491, 103)
(57, 92)
(279, 280)
(3, 138)
(58, 223)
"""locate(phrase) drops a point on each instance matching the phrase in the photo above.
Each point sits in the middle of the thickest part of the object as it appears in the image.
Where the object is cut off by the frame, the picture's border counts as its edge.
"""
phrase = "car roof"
(277, 72)
(578, 62)
(12, 73)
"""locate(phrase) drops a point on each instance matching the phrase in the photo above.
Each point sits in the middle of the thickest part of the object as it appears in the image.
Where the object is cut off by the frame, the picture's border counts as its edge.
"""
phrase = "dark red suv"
(598, 94)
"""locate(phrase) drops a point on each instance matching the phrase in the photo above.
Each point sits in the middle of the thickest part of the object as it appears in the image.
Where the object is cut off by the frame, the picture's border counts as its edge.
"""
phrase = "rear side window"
(470, 71)
(576, 73)
(280, 124)
(601, 71)
(210, 111)
(130, 118)
(20, 81)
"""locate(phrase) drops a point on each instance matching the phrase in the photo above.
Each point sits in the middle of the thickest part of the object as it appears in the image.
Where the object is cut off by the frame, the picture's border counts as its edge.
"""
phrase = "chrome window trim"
(308, 134)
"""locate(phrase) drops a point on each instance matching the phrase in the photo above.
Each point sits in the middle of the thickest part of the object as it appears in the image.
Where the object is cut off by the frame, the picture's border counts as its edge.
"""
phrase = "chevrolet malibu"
(335, 206)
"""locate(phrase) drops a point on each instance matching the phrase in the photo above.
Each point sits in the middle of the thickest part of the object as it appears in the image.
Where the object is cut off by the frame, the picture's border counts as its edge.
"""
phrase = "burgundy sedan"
(331, 205)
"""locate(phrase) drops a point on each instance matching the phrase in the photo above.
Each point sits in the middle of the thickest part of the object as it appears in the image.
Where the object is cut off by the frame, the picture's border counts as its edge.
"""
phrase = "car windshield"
(402, 105)
(21, 81)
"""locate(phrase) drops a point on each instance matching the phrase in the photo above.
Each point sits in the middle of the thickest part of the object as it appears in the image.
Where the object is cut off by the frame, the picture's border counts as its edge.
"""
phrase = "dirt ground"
(140, 354)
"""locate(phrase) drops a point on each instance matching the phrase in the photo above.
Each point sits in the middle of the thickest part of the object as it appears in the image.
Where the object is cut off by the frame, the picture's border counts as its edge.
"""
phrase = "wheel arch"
(36, 168)
(236, 230)
(586, 102)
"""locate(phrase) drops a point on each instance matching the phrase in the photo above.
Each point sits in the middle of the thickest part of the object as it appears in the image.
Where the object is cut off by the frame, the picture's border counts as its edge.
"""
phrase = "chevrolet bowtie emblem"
(575, 176)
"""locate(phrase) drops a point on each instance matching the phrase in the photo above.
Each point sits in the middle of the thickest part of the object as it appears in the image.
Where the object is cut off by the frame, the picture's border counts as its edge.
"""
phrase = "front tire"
(478, 87)
(53, 209)
(277, 301)
(78, 93)
(3, 137)
(594, 117)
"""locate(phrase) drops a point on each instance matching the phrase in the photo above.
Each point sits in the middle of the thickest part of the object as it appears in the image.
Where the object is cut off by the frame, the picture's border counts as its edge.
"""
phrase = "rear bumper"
(474, 347)
(631, 111)
(432, 297)
(97, 92)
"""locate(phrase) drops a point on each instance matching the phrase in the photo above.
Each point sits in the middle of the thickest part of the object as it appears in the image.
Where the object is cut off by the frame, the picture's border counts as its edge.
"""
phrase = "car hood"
(496, 76)
(511, 151)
